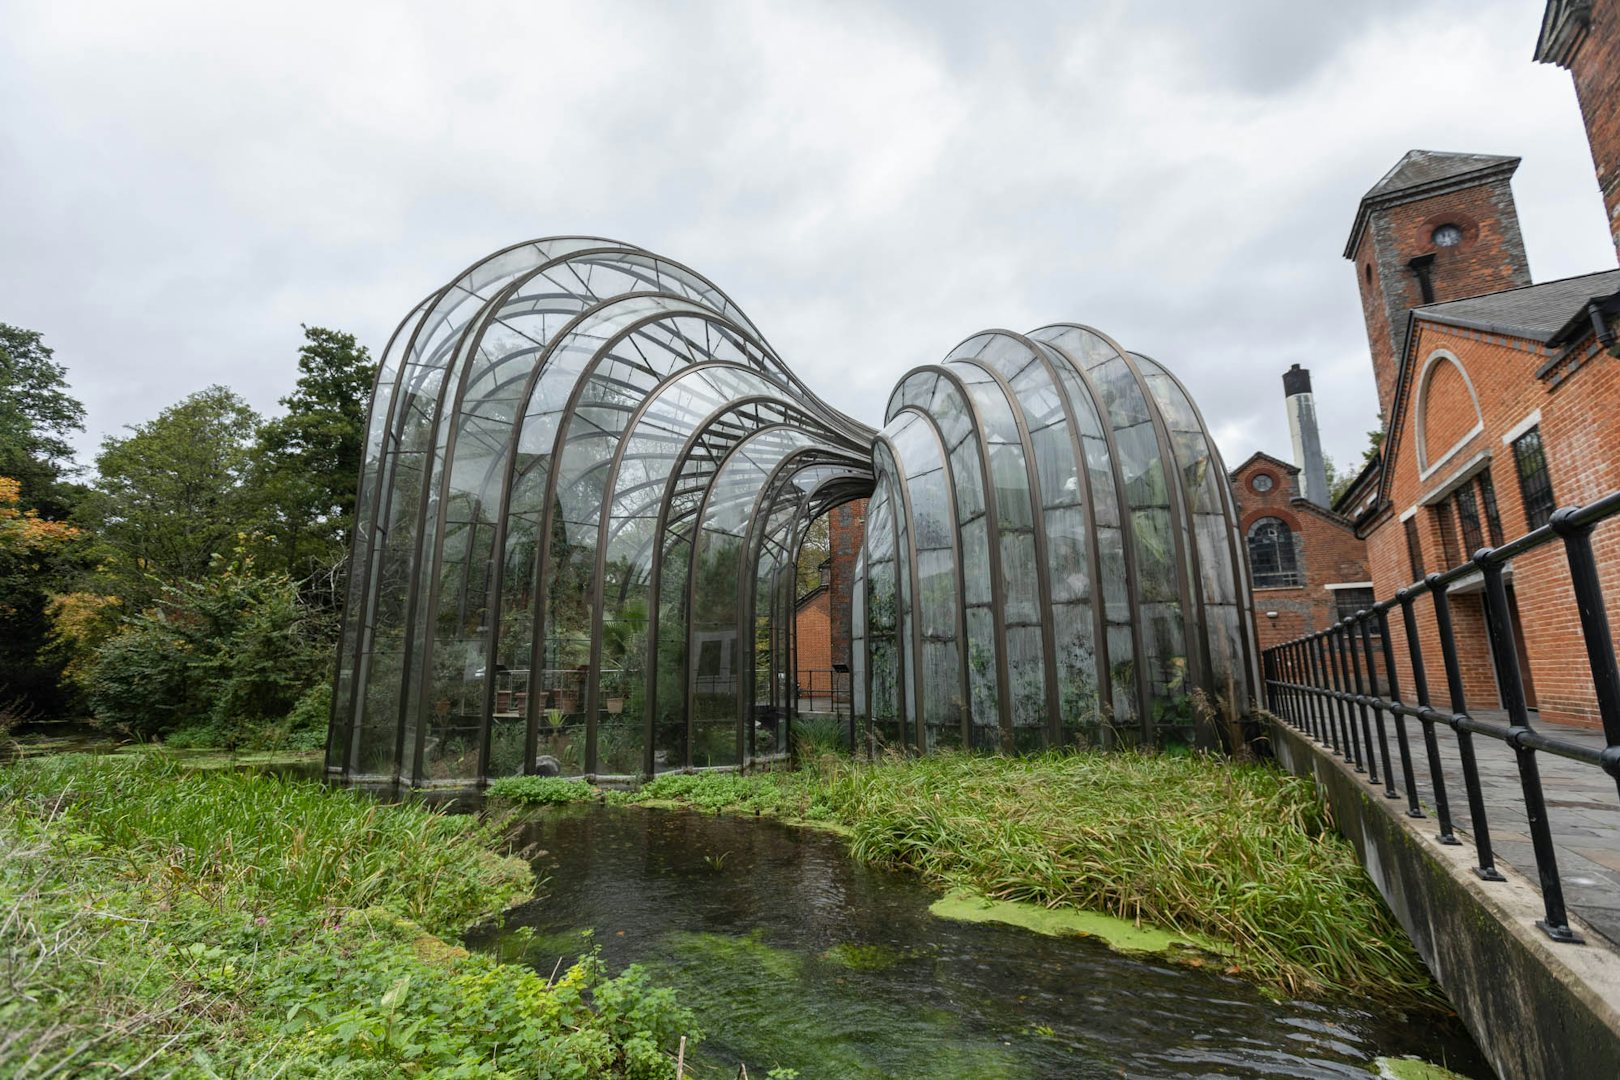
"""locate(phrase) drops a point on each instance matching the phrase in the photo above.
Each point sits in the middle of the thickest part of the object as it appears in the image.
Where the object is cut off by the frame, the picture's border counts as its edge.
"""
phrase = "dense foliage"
(225, 924)
(173, 493)
(38, 553)
(1241, 853)
(307, 463)
(222, 661)
(190, 588)
(37, 414)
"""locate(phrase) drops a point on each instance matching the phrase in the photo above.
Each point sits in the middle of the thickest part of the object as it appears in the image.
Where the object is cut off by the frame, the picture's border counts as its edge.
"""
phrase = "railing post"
(1413, 808)
(1319, 703)
(1362, 619)
(1511, 680)
(1296, 701)
(1268, 665)
(1420, 690)
(1349, 625)
(1465, 739)
(1341, 680)
(1319, 664)
(1583, 575)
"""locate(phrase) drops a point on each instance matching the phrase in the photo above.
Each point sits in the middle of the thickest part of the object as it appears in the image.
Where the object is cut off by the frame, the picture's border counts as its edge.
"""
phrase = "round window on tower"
(1262, 482)
(1447, 236)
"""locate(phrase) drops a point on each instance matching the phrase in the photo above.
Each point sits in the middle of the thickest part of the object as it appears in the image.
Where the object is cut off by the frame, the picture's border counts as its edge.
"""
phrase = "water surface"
(793, 955)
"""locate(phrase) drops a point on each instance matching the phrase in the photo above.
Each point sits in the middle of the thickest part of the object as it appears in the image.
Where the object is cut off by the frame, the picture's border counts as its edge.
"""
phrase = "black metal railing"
(1318, 684)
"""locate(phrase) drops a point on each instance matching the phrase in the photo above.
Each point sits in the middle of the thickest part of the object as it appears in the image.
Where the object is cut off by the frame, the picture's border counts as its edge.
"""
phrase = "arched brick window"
(1271, 554)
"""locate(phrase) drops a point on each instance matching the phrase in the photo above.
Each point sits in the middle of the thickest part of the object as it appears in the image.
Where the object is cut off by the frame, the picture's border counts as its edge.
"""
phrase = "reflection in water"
(792, 955)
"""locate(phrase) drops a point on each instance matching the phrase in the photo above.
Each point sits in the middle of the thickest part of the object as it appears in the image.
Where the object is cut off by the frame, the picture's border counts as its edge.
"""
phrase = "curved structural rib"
(586, 484)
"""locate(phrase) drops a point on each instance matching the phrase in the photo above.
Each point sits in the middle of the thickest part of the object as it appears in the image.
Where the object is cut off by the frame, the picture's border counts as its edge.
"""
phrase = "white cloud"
(188, 182)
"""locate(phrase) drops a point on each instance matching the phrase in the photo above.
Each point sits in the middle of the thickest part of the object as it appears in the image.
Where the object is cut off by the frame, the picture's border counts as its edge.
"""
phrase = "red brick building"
(822, 619)
(812, 635)
(1580, 36)
(1501, 398)
(1308, 566)
(846, 527)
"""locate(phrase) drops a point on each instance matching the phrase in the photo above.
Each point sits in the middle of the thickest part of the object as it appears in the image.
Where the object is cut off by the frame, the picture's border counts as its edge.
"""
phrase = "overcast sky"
(182, 185)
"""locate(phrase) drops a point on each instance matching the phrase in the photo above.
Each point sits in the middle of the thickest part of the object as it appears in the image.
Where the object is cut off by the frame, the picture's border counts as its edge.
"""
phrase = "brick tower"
(1583, 37)
(1437, 227)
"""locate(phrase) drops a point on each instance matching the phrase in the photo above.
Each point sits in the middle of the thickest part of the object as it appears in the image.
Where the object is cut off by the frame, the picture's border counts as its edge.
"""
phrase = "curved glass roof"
(587, 480)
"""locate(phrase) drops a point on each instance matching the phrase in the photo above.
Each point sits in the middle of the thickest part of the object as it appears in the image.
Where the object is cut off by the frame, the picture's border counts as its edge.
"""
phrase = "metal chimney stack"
(1307, 440)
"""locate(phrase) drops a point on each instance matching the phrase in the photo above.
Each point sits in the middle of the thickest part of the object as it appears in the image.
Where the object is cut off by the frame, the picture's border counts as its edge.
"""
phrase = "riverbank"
(1243, 854)
(219, 922)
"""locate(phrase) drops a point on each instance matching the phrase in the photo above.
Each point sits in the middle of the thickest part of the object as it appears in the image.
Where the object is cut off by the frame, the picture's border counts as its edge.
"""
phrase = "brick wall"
(1595, 68)
(1327, 551)
(846, 527)
(1582, 444)
(813, 639)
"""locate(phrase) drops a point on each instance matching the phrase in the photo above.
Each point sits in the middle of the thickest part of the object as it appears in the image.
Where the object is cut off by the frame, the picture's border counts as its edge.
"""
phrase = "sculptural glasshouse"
(586, 469)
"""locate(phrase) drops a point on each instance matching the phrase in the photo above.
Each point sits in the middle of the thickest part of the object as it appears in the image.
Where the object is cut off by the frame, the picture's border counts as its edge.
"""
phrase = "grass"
(219, 923)
(1242, 853)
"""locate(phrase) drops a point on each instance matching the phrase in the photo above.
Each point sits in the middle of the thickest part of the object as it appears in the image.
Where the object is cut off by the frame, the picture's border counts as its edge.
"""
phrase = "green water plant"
(220, 923)
(541, 790)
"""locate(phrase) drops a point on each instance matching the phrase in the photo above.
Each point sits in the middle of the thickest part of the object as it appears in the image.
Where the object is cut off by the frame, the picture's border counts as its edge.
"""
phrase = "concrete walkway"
(1583, 810)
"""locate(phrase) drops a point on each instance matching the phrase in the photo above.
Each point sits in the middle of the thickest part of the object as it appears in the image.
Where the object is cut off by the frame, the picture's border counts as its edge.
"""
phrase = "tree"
(36, 416)
(34, 553)
(226, 658)
(817, 548)
(174, 493)
(307, 463)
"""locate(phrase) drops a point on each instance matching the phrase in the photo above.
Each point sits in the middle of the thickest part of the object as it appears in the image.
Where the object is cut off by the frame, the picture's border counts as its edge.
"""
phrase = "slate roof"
(1422, 173)
(1535, 312)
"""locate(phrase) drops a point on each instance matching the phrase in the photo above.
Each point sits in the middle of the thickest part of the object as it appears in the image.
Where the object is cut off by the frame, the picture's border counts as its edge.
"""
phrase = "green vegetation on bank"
(187, 588)
(1240, 853)
(221, 923)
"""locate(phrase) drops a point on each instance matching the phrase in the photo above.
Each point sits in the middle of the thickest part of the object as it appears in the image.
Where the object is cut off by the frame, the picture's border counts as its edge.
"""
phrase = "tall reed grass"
(156, 920)
(259, 839)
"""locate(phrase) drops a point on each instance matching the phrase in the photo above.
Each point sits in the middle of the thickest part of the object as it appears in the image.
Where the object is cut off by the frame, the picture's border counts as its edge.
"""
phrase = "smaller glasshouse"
(587, 481)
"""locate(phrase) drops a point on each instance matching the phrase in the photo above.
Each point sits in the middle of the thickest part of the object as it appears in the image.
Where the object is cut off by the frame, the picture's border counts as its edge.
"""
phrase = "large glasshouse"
(588, 479)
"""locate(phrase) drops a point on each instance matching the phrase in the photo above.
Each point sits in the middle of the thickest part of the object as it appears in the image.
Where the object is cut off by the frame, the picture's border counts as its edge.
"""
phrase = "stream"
(794, 956)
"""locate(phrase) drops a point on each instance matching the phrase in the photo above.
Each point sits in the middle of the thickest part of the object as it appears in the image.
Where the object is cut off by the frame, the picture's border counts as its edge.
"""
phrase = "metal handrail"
(1315, 684)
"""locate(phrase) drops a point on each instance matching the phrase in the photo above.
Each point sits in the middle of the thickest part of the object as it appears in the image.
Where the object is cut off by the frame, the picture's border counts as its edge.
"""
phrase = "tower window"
(1447, 235)
(1262, 482)
(1535, 485)
(1271, 554)
(1367, 273)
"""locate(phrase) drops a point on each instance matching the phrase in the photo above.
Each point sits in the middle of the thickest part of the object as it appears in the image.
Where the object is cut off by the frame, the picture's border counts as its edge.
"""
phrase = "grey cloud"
(186, 184)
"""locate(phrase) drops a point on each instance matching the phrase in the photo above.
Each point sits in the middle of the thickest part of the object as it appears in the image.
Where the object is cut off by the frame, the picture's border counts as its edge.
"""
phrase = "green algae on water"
(1119, 934)
(858, 957)
(1413, 1069)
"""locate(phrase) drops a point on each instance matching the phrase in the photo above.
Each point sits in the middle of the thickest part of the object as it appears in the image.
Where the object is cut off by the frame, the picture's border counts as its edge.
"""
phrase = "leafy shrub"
(235, 653)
